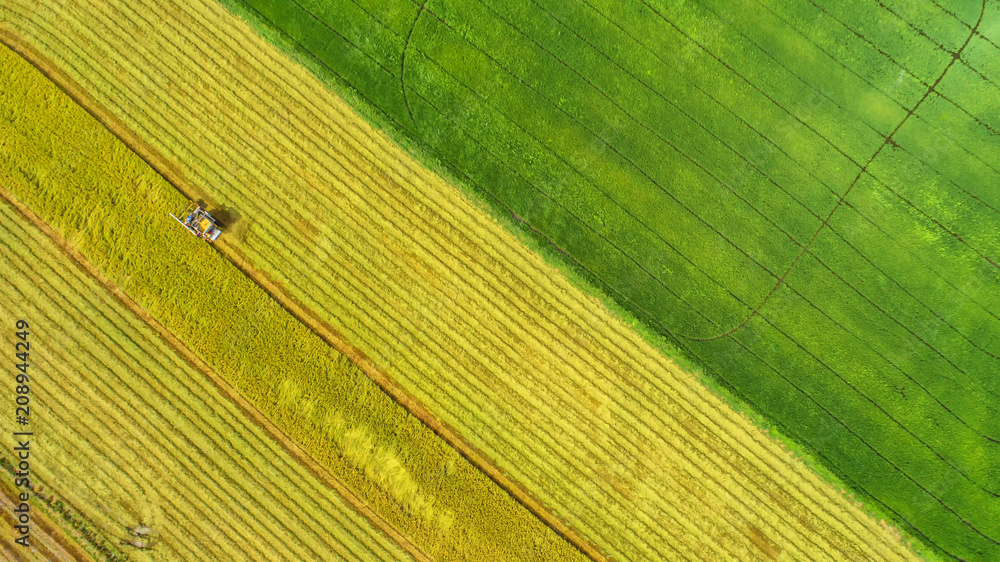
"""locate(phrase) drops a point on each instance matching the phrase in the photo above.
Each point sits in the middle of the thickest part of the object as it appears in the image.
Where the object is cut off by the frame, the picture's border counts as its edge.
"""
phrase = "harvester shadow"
(226, 217)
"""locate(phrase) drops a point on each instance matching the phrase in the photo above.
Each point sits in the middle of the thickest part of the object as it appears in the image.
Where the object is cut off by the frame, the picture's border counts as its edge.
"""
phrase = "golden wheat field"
(635, 454)
(100, 201)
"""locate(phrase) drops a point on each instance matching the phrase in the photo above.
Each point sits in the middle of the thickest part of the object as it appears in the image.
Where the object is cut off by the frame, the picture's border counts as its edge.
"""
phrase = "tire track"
(888, 141)
(402, 60)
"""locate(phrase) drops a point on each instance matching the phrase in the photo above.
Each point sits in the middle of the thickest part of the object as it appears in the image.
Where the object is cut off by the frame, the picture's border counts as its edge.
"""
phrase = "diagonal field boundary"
(888, 141)
(308, 318)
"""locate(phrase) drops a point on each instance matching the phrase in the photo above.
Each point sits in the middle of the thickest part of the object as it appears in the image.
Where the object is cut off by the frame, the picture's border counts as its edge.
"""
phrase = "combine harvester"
(197, 221)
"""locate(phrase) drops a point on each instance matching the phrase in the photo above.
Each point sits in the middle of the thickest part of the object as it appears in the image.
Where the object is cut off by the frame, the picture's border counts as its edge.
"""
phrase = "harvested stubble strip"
(624, 369)
(68, 312)
(396, 464)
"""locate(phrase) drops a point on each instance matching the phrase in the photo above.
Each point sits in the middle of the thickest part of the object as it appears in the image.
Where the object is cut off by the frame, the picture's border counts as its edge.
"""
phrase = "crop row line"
(864, 38)
(729, 23)
(951, 13)
(402, 60)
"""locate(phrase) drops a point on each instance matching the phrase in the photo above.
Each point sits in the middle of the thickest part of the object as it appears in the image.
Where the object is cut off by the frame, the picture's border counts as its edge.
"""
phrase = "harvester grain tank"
(199, 222)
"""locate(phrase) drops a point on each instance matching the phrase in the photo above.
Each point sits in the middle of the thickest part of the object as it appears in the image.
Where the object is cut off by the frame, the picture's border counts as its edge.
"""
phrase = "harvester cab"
(197, 221)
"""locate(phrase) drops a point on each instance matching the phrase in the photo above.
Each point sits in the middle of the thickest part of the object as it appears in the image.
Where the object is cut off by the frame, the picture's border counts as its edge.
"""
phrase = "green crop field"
(801, 196)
